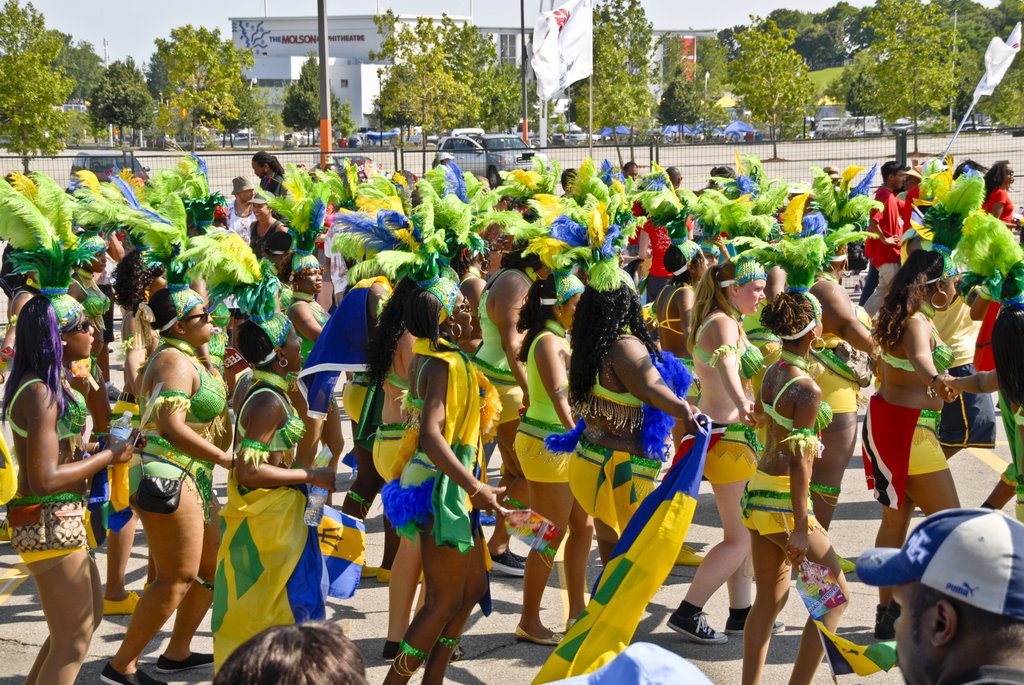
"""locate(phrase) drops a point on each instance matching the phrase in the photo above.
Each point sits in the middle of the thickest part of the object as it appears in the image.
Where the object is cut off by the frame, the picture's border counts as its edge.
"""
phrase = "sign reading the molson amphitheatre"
(273, 37)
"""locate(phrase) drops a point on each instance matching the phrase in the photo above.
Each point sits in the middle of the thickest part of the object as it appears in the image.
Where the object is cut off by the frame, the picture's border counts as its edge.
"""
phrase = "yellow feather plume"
(371, 206)
(129, 177)
(88, 180)
(548, 207)
(849, 173)
(793, 217)
(739, 164)
(547, 249)
(24, 185)
(530, 179)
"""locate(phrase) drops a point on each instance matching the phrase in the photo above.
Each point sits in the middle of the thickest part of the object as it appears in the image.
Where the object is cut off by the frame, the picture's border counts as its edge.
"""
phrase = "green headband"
(185, 299)
(815, 304)
(304, 261)
(93, 242)
(276, 327)
(67, 308)
(747, 270)
(566, 285)
(445, 291)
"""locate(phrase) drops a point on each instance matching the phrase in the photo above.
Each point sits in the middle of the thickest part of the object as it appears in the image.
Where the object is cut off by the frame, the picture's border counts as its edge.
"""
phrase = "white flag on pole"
(998, 58)
(563, 47)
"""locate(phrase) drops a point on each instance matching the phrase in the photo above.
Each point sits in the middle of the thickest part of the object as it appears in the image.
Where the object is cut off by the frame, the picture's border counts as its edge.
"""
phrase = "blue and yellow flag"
(640, 563)
(845, 657)
(270, 570)
(343, 545)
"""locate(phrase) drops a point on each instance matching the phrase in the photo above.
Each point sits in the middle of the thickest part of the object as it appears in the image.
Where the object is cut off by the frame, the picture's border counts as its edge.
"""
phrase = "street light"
(707, 75)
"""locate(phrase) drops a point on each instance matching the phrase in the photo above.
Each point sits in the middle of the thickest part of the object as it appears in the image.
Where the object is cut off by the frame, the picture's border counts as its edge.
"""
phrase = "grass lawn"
(823, 77)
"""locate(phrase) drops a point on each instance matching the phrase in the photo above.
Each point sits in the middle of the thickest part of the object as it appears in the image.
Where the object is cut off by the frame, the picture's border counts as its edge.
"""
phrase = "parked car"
(105, 163)
(488, 154)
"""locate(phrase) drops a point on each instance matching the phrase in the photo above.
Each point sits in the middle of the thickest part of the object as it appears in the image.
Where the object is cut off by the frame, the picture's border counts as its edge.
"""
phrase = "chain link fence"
(694, 160)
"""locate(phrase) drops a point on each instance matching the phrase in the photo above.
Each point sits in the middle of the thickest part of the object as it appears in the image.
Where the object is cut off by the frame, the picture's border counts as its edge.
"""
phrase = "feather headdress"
(304, 210)
(49, 250)
(993, 259)
(231, 270)
(949, 204)
(190, 181)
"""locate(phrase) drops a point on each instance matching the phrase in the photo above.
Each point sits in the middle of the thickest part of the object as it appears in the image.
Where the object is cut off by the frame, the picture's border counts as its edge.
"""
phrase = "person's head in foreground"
(959, 580)
(314, 653)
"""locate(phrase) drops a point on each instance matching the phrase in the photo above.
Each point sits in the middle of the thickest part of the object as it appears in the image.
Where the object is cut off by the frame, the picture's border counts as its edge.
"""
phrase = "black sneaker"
(736, 628)
(695, 628)
(509, 563)
(885, 621)
(112, 677)
(194, 660)
(390, 651)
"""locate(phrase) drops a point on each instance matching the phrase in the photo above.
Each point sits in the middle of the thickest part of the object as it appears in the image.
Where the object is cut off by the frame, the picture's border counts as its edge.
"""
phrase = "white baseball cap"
(445, 156)
(973, 555)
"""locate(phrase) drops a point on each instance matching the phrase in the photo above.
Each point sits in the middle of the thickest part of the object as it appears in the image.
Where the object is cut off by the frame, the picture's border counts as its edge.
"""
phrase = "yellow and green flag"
(640, 563)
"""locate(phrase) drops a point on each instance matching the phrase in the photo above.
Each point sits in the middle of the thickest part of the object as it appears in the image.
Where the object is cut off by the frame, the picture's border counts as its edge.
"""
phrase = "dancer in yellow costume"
(776, 503)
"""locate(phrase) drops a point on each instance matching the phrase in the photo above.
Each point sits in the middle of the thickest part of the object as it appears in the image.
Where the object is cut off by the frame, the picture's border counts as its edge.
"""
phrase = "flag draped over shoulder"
(270, 570)
(640, 563)
(563, 47)
(341, 347)
(845, 657)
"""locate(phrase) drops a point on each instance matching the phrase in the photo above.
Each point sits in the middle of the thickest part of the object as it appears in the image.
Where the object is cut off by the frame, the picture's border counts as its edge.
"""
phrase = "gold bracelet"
(478, 489)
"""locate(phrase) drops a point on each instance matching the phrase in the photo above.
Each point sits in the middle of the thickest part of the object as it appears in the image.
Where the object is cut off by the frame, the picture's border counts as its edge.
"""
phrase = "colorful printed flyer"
(818, 588)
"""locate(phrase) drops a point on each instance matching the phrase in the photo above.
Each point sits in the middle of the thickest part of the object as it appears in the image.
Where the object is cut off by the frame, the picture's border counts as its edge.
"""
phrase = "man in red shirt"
(885, 231)
(913, 192)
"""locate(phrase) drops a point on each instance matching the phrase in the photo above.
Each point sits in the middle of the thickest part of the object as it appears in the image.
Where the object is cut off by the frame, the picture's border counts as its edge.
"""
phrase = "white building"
(282, 44)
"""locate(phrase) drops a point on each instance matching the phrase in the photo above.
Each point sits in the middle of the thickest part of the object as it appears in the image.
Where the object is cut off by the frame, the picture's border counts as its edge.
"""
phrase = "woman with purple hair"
(47, 418)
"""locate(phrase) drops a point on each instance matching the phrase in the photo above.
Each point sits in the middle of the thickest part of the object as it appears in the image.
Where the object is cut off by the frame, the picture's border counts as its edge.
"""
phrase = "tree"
(418, 83)
(81, 63)
(857, 87)
(202, 75)
(251, 103)
(623, 68)
(32, 88)
(911, 48)
(680, 103)
(302, 101)
(770, 77)
(121, 98)
(156, 76)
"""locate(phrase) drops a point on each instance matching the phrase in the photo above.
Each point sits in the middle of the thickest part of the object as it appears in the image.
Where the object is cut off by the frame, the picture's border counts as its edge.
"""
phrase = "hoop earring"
(945, 302)
(282, 362)
(456, 330)
(818, 344)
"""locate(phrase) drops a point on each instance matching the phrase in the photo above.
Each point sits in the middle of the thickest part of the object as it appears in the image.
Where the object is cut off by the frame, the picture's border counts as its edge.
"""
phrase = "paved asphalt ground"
(492, 654)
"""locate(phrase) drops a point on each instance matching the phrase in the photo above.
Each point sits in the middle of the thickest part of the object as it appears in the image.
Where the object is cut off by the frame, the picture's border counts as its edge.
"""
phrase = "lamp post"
(704, 125)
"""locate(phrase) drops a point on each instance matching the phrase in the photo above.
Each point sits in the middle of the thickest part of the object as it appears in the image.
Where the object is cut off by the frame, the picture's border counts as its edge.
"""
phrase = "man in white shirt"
(240, 216)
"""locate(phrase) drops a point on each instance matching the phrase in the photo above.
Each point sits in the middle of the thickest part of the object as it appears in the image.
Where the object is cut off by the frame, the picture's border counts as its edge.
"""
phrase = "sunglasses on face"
(81, 327)
(202, 316)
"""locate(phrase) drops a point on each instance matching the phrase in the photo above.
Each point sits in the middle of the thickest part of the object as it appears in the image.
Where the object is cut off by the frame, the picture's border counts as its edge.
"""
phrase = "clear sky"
(130, 27)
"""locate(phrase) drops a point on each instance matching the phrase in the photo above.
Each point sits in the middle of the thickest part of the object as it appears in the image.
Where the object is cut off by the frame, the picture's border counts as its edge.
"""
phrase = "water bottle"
(317, 497)
(122, 428)
(118, 473)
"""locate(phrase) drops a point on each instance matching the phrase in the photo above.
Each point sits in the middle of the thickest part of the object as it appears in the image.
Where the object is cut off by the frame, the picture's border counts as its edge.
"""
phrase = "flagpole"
(590, 125)
(958, 128)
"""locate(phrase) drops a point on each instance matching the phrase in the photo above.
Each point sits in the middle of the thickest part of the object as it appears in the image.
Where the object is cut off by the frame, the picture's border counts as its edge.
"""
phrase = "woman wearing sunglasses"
(186, 421)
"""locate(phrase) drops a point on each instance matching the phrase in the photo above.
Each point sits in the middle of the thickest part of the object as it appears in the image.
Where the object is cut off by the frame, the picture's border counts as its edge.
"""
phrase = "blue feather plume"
(202, 167)
(814, 224)
(864, 187)
(127, 191)
(746, 185)
(564, 443)
(454, 182)
(654, 183)
(606, 172)
(657, 425)
(569, 232)
(607, 251)
(317, 215)
(372, 235)
(404, 506)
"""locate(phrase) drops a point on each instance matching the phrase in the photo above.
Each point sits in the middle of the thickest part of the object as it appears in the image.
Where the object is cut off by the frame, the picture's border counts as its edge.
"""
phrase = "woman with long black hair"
(270, 172)
(431, 501)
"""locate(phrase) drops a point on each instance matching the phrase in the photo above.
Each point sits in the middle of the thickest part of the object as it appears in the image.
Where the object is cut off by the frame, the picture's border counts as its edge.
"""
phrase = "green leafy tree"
(712, 60)
(302, 101)
(623, 69)
(202, 77)
(121, 98)
(472, 58)
(156, 76)
(770, 78)
(912, 51)
(31, 87)
(81, 63)
(857, 87)
(418, 85)
(251, 103)
(680, 103)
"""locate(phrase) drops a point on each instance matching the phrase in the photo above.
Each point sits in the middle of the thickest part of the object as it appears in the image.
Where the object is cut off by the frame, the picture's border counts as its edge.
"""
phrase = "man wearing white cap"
(959, 580)
(445, 157)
